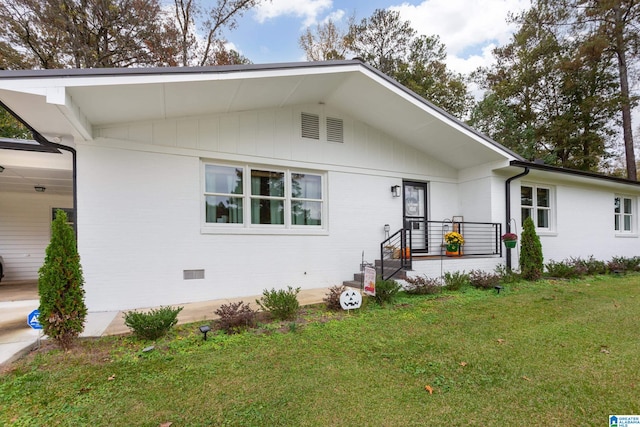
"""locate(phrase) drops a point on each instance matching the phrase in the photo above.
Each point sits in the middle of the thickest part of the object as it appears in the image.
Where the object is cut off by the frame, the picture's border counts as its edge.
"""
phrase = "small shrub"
(617, 264)
(154, 324)
(483, 280)
(423, 285)
(386, 291)
(332, 299)
(625, 264)
(454, 281)
(282, 304)
(564, 269)
(531, 259)
(506, 275)
(595, 266)
(235, 317)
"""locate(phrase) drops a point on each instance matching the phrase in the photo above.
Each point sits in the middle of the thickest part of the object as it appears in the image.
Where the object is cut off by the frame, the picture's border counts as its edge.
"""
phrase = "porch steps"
(390, 265)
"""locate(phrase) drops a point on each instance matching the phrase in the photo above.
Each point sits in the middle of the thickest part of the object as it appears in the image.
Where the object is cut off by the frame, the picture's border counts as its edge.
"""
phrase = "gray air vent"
(192, 274)
(310, 126)
(335, 130)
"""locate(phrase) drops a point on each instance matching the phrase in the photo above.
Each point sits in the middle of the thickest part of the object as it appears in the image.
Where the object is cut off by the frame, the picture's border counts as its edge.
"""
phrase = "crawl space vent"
(310, 126)
(193, 274)
(335, 130)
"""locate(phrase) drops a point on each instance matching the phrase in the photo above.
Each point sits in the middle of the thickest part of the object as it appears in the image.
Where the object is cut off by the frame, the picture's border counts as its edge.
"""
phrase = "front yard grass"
(546, 353)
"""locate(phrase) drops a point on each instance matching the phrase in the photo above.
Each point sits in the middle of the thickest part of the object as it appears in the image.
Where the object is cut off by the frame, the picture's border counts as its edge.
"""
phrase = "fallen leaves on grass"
(112, 377)
(524, 377)
(500, 341)
(463, 364)
(428, 388)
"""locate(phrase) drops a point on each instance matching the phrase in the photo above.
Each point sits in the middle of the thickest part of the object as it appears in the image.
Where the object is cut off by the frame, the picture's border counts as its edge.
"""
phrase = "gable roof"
(71, 102)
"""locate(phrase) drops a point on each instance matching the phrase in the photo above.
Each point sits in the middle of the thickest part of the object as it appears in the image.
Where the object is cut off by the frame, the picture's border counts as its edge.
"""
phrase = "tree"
(531, 259)
(383, 40)
(393, 47)
(327, 42)
(60, 285)
(86, 33)
(11, 128)
(209, 49)
(548, 96)
(615, 26)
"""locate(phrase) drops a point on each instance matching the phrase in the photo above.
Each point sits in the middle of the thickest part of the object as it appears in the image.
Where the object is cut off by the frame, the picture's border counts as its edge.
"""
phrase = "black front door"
(415, 214)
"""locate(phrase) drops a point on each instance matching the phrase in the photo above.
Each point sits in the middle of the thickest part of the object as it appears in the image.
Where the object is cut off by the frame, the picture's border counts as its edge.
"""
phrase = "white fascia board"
(59, 97)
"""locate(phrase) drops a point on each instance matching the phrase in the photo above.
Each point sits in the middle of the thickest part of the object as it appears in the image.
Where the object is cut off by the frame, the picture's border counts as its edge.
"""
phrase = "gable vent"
(310, 126)
(192, 274)
(335, 130)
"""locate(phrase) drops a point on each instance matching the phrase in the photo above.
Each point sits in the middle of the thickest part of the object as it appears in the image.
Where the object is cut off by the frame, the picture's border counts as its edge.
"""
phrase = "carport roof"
(58, 103)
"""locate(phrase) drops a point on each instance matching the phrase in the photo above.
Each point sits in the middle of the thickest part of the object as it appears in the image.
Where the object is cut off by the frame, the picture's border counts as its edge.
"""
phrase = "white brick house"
(203, 183)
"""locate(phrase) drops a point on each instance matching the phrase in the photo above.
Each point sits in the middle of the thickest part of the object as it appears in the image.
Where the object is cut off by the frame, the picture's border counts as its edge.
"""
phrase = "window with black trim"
(271, 197)
(535, 203)
(623, 214)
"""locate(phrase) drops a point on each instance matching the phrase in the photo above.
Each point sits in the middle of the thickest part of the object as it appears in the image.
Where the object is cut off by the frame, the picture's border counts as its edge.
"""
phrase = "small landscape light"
(204, 329)
(498, 288)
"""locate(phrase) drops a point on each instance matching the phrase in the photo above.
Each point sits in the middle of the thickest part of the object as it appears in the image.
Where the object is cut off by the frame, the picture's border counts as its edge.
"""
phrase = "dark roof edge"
(142, 71)
(575, 172)
(106, 72)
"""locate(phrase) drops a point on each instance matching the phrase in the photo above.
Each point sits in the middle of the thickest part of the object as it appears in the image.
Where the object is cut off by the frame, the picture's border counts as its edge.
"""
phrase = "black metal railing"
(480, 238)
(395, 254)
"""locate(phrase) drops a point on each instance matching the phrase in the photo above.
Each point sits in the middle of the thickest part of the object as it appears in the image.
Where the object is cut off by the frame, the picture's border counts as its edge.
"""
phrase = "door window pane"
(414, 201)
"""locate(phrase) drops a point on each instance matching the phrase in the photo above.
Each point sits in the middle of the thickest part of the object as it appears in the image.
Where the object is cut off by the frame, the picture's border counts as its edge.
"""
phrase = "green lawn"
(544, 354)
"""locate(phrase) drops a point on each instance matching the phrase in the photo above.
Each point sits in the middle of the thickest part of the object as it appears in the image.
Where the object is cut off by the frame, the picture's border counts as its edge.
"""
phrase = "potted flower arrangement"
(454, 241)
(510, 240)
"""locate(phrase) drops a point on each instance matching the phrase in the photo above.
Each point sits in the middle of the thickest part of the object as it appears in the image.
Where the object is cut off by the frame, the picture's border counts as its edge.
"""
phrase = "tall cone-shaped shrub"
(531, 260)
(60, 285)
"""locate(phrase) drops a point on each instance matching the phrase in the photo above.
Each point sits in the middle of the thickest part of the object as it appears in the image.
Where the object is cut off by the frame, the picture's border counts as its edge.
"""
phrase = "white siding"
(25, 231)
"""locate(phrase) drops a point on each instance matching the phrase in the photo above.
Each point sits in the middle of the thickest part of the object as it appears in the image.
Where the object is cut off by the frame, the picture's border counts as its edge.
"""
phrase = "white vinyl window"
(623, 214)
(262, 197)
(535, 203)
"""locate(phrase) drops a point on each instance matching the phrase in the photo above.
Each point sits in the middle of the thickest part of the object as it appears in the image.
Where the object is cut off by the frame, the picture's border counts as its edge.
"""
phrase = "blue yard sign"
(32, 319)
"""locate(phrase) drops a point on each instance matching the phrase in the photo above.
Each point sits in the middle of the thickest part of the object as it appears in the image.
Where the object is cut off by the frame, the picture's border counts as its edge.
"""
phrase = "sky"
(470, 29)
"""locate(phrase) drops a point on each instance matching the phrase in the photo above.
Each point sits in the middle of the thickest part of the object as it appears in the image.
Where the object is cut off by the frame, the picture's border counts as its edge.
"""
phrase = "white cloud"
(465, 27)
(309, 10)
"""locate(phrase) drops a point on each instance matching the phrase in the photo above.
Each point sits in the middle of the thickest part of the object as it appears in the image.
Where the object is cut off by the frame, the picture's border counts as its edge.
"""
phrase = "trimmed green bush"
(60, 286)
(531, 259)
(235, 317)
(153, 324)
(282, 304)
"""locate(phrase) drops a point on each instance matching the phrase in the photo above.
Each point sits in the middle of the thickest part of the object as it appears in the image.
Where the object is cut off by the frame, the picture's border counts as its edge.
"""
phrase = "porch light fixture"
(40, 188)
(1, 169)
(395, 190)
(204, 329)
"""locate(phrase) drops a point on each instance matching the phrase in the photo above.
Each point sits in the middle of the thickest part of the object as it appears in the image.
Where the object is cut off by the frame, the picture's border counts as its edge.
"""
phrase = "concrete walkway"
(17, 300)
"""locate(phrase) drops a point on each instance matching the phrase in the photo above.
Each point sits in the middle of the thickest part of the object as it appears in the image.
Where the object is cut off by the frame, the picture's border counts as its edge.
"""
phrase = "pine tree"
(60, 285)
(531, 260)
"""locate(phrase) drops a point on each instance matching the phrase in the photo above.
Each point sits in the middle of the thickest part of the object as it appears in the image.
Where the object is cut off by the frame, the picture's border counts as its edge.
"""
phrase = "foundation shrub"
(456, 280)
(423, 285)
(507, 275)
(531, 259)
(152, 324)
(235, 317)
(594, 266)
(332, 298)
(567, 269)
(386, 291)
(483, 279)
(281, 304)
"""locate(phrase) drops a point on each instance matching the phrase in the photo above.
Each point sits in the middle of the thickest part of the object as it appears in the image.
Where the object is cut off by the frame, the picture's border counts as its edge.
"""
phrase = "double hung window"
(535, 203)
(623, 214)
(269, 198)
